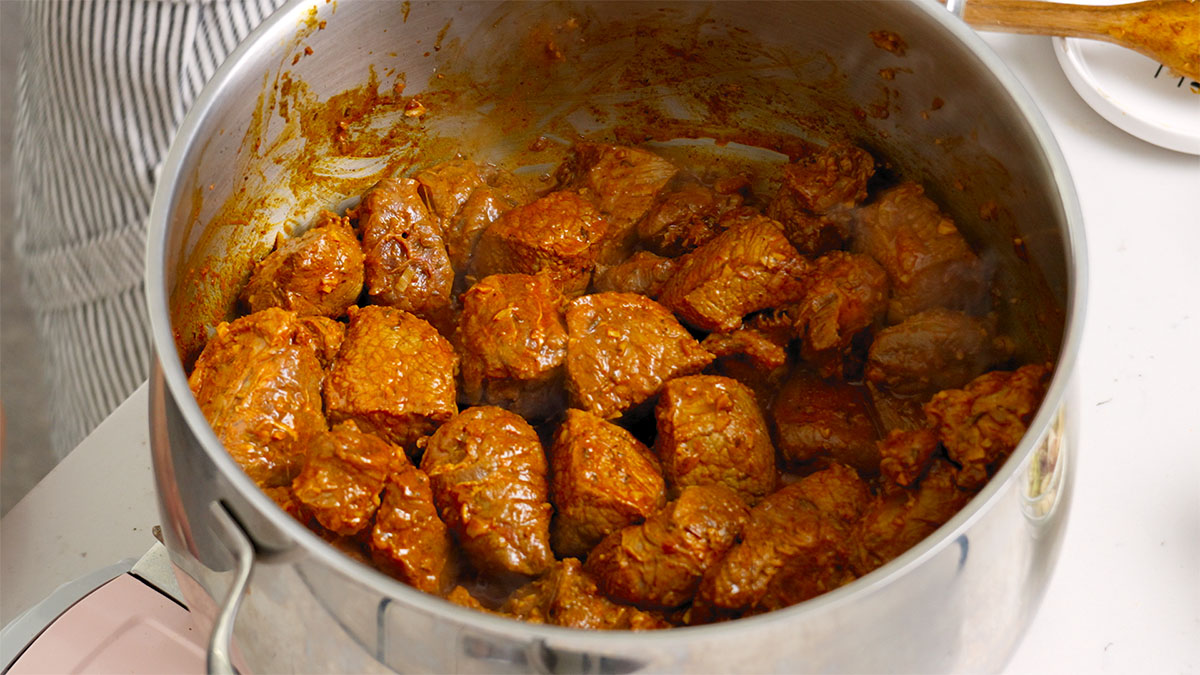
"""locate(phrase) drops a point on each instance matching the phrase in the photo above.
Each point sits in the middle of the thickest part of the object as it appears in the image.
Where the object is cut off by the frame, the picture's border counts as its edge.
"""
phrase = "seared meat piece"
(643, 272)
(621, 348)
(394, 376)
(488, 474)
(711, 432)
(409, 541)
(287, 501)
(343, 476)
(790, 551)
(463, 231)
(567, 596)
(756, 354)
(899, 519)
(446, 186)
(406, 262)
(904, 455)
(658, 564)
(815, 194)
(259, 387)
(896, 412)
(318, 273)
(323, 335)
(749, 267)
(513, 341)
(845, 295)
(817, 418)
(623, 182)
(838, 491)
(763, 349)
(685, 218)
(928, 261)
(604, 479)
(835, 176)
(559, 235)
(982, 423)
(932, 350)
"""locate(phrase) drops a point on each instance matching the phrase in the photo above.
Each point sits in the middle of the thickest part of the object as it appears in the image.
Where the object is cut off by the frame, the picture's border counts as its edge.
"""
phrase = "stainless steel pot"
(254, 156)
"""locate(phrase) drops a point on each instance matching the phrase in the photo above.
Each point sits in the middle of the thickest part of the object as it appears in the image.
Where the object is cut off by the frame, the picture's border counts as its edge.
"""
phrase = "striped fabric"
(102, 87)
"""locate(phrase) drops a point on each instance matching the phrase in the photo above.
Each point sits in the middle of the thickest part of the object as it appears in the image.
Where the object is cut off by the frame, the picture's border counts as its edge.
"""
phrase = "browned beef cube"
(559, 235)
(900, 519)
(815, 194)
(658, 564)
(394, 376)
(905, 455)
(513, 342)
(446, 186)
(621, 348)
(845, 295)
(837, 490)
(762, 349)
(323, 334)
(463, 231)
(982, 423)
(817, 418)
(933, 350)
(406, 262)
(623, 182)
(318, 273)
(643, 272)
(409, 540)
(787, 536)
(711, 432)
(259, 386)
(896, 412)
(685, 218)
(488, 470)
(568, 596)
(604, 479)
(749, 267)
(927, 260)
(343, 476)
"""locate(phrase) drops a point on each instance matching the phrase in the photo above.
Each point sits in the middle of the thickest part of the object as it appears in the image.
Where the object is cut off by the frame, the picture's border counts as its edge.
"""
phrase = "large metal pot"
(251, 158)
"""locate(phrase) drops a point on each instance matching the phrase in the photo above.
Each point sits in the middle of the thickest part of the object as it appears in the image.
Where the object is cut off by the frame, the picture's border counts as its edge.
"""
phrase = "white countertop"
(1125, 597)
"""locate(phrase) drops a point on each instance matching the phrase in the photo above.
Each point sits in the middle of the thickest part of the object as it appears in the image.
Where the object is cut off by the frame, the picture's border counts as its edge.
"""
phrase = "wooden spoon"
(1167, 31)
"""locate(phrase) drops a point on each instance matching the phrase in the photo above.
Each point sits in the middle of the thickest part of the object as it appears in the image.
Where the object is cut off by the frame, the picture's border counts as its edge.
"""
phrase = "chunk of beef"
(318, 273)
(463, 231)
(845, 295)
(513, 342)
(838, 491)
(926, 258)
(559, 235)
(394, 376)
(815, 194)
(447, 186)
(933, 350)
(817, 418)
(658, 564)
(342, 477)
(982, 423)
(406, 262)
(621, 348)
(762, 347)
(623, 182)
(905, 455)
(643, 272)
(790, 551)
(568, 596)
(684, 218)
(894, 412)
(260, 389)
(604, 479)
(711, 432)
(900, 519)
(323, 335)
(409, 541)
(488, 473)
(749, 267)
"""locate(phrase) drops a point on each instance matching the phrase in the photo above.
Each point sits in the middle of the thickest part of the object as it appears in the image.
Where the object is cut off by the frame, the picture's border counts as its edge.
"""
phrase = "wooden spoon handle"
(1042, 18)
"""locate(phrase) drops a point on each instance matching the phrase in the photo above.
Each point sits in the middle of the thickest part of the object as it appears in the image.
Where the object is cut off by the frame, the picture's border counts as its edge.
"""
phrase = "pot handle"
(220, 642)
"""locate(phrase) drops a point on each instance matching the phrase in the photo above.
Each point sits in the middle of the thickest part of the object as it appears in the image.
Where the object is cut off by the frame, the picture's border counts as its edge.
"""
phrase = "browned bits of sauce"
(889, 41)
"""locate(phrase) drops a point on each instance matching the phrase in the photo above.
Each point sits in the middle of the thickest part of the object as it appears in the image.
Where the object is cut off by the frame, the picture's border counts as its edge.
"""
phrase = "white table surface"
(1125, 597)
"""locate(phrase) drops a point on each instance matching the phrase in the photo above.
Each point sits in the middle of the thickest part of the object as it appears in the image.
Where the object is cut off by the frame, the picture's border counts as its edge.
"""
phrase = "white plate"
(1134, 92)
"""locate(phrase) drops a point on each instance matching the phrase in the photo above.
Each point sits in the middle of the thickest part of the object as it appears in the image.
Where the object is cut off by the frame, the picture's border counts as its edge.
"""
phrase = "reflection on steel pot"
(325, 98)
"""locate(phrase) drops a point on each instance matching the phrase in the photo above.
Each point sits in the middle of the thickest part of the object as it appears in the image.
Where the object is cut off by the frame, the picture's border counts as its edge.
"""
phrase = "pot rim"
(283, 21)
